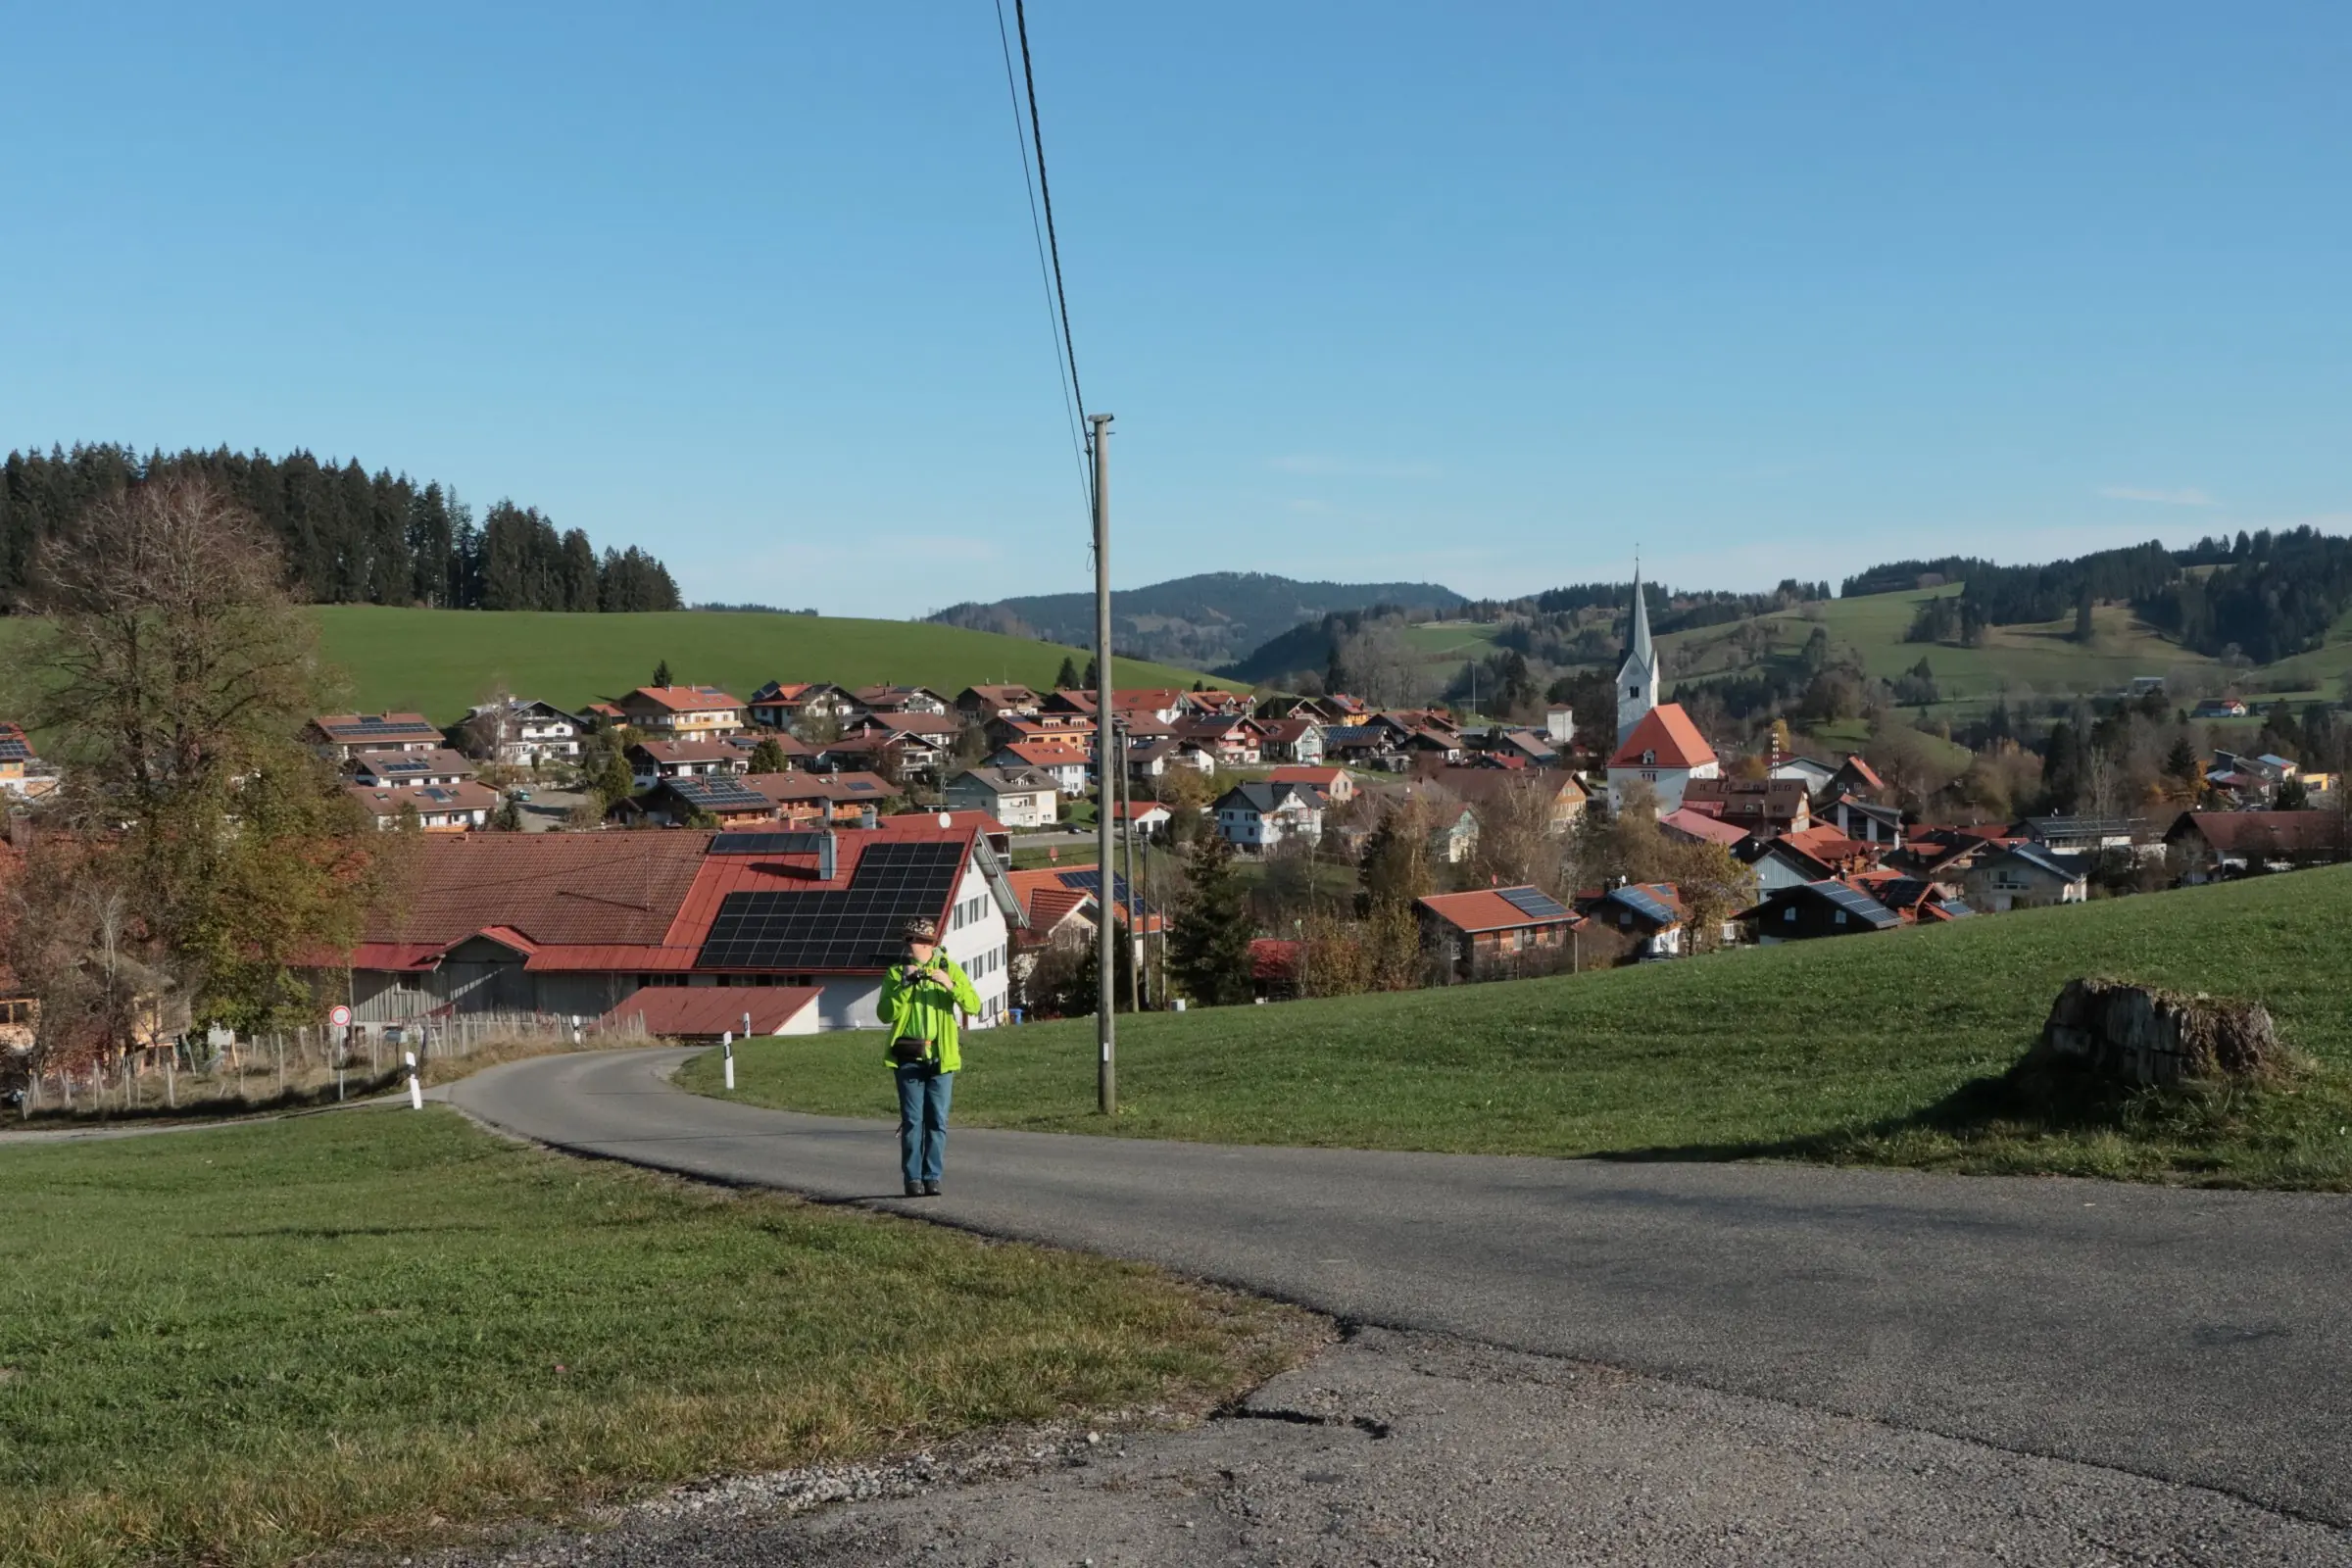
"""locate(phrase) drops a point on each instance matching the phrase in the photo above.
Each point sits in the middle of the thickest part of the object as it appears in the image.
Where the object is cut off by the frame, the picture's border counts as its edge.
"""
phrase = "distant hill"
(1201, 622)
(441, 661)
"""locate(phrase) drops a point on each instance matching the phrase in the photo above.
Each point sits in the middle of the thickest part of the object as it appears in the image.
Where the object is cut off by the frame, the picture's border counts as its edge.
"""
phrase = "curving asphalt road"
(2200, 1338)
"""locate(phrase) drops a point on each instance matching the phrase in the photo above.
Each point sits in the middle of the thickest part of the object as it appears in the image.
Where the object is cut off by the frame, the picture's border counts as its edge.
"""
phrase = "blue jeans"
(923, 1097)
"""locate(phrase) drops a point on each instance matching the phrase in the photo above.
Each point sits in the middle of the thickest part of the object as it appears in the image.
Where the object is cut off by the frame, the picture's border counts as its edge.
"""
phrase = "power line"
(1062, 367)
(1044, 191)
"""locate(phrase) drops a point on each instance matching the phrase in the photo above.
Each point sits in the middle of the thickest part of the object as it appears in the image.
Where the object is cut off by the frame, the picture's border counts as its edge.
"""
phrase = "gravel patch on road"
(1409, 1449)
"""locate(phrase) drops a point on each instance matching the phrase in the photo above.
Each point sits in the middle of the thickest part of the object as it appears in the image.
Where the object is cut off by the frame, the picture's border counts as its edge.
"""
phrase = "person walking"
(920, 998)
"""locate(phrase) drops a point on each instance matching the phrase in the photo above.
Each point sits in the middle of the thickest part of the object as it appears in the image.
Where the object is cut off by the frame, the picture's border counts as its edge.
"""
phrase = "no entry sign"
(339, 1015)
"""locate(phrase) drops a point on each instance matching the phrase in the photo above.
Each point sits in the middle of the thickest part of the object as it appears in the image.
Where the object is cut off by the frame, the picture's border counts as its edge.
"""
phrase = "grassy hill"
(1856, 1049)
(1204, 621)
(440, 662)
(2044, 657)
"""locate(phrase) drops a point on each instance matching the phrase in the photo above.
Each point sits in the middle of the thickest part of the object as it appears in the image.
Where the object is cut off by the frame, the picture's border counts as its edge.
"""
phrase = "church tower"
(1638, 681)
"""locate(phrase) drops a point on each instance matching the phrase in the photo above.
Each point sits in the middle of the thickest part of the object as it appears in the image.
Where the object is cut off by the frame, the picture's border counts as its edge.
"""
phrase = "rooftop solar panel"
(1535, 903)
(852, 928)
(1645, 903)
(1086, 880)
(720, 795)
(13, 750)
(1860, 904)
(767, 844)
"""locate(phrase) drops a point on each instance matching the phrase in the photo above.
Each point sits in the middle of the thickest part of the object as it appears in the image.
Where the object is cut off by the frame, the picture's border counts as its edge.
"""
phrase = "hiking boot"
(930, 1189)
(915, 1189)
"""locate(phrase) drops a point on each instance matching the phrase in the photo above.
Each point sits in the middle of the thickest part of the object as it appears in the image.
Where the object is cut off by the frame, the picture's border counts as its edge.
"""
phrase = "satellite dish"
(946, 819)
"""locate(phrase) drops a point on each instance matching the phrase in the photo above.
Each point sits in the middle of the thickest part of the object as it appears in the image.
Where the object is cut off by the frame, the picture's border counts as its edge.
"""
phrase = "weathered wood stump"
(2140, 1035)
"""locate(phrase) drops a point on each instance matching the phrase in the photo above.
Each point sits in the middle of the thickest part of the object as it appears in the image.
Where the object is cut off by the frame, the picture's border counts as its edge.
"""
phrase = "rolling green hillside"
(2040, 658)
(440, 662)
(1849, 1048)
(2044, 657)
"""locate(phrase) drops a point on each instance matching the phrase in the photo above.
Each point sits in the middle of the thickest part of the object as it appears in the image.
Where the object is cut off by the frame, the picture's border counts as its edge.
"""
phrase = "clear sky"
(1480, 294)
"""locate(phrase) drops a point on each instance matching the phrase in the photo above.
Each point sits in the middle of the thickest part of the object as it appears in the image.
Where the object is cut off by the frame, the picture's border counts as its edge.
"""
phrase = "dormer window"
(1649, 759)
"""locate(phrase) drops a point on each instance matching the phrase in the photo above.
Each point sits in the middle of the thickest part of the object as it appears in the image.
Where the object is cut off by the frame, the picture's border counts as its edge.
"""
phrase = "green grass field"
(2043, 658)
(1451, 642)
(441, 661)
(1863, 1049)
(240, 1346)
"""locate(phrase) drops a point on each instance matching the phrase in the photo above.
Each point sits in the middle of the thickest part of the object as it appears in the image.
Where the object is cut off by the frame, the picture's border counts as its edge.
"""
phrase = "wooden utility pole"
(1106, 1075)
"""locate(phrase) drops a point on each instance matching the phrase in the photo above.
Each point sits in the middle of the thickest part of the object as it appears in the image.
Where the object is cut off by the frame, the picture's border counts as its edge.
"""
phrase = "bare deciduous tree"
(176, 671)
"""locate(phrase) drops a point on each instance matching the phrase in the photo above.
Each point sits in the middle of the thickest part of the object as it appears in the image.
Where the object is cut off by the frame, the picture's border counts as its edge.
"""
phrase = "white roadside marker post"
(726, 1048)
(416, 1089)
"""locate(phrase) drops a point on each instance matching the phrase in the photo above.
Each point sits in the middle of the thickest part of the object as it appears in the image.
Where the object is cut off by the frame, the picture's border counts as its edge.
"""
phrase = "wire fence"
(216, 1071)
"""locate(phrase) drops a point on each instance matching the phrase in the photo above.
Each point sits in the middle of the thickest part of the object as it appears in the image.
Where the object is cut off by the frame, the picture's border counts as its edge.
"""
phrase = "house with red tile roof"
(681, 712)
(407, 769)
(1492, 933)
(1069, 767)
(1663, 753)
(811, 797)
(573, 924)
(791, 705)
(875, 699)
(1292, 740)
(340, 737)
(1017, 797)
(1336, 783)
(652, 762)
(979, 704)
(1766, 805)
(457, 807)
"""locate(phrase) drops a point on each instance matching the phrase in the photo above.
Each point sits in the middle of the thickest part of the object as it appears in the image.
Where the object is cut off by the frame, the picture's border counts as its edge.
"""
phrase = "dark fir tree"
(1065, 679)
(1209, 947)
(349, 536)
(661, 673)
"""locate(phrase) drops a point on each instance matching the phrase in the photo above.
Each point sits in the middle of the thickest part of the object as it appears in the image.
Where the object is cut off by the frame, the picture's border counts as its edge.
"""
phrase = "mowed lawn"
(239, 1346)
(440, 662)
(1850, 1049)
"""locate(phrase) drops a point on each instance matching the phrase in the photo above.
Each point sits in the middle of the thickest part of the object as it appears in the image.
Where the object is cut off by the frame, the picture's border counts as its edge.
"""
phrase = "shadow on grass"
(2056, 1119)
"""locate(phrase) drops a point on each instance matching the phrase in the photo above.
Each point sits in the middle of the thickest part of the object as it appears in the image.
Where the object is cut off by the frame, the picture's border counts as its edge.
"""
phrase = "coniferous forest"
(350, 537)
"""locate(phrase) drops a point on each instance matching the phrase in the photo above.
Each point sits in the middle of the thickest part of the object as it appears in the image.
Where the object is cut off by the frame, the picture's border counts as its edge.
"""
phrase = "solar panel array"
(366, 722)
(1086, 880)
(1533, 903)
(854, 928)
(1858, 903)
(767, 844)
(13, 750)
(719, 795)
(1645, 903)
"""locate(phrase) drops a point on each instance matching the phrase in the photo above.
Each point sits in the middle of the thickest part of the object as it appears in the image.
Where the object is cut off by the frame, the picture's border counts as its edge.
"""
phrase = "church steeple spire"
(1638, 681)
(1639, 645)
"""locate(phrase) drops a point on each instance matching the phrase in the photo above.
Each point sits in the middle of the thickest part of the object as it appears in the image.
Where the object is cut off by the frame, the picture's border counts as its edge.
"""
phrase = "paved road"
(2191, 1337)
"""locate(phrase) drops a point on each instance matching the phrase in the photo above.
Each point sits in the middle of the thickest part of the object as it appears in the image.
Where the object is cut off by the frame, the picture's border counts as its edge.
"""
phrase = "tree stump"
(2140, 1035)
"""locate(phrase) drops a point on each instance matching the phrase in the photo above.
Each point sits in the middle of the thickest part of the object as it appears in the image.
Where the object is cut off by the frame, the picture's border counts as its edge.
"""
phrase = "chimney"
(869, 818)
(828, 859)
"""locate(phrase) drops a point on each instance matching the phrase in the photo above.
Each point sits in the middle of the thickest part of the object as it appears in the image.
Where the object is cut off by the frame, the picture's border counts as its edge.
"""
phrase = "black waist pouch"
(909, 1052)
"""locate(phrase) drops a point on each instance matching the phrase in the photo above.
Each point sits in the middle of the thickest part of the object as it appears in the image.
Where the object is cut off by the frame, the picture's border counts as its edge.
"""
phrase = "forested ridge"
(349, 536)
(2265, 595)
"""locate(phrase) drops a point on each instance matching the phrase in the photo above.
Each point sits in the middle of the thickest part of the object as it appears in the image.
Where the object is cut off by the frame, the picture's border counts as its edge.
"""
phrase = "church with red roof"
(1658, 747)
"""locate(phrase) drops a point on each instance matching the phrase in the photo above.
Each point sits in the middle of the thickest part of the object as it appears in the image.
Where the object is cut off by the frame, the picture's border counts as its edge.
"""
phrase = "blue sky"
(1484, 294)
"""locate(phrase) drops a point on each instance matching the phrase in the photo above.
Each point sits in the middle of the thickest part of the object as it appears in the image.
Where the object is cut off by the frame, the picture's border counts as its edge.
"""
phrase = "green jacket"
(926, 1011)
